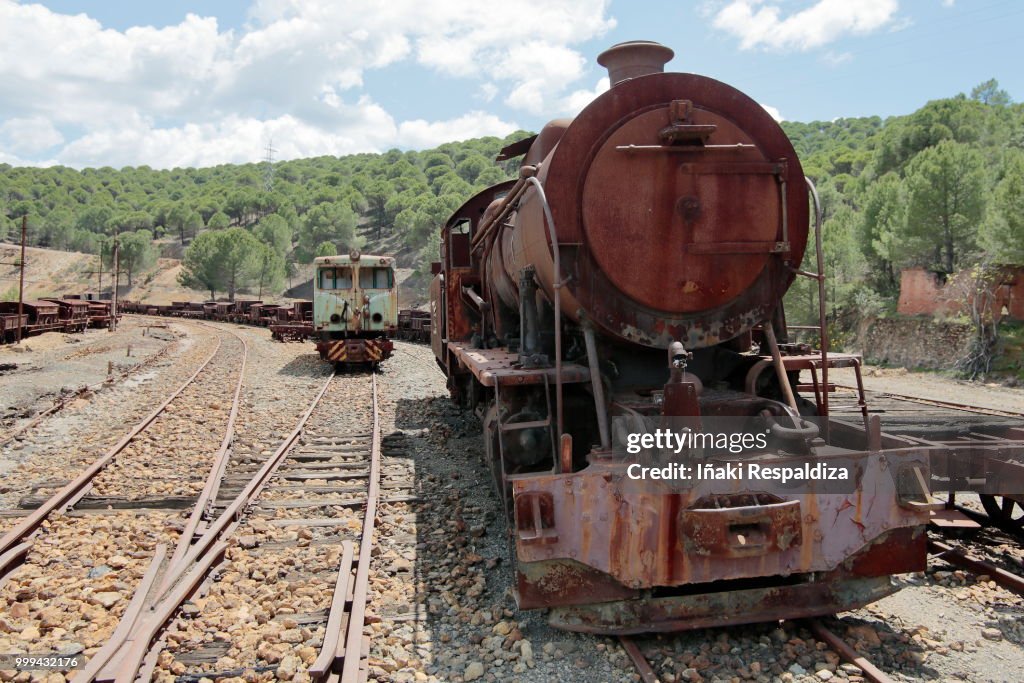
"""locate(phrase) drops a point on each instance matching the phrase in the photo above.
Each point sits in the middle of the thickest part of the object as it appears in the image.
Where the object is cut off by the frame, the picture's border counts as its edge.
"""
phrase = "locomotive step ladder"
(520, 426)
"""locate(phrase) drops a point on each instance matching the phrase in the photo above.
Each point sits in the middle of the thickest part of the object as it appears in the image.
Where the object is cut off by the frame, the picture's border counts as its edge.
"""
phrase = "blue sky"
(200, 83)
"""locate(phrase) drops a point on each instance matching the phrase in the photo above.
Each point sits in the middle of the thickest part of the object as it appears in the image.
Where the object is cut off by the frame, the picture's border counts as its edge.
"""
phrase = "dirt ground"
(44, 367)
(934, 387)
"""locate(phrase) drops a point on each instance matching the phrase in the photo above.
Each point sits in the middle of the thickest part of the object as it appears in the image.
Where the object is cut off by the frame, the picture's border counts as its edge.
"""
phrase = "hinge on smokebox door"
(680, 131)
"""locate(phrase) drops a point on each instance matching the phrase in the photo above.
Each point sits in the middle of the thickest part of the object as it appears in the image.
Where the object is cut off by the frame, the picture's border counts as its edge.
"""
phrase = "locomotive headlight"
(366, 299)
(335, 318)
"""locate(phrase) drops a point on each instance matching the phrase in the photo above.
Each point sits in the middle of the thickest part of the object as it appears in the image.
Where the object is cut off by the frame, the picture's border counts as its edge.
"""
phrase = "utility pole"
(117, 279)
(99, 284)
(21, 276)
(268, 171)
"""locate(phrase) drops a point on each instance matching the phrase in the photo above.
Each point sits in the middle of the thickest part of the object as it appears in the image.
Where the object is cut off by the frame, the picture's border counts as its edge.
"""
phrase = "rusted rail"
(354, 634)
(939, 403)
(965, 560)
(871, 672)
(77, 487)
(212, 485)
(643, 667)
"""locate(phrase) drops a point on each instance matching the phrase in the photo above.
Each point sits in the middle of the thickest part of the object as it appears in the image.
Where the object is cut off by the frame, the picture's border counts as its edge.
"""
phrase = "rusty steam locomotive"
(636, 269)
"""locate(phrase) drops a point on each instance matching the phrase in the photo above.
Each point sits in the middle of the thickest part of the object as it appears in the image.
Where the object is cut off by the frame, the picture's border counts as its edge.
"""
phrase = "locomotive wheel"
(492, 458)
(1005, 512)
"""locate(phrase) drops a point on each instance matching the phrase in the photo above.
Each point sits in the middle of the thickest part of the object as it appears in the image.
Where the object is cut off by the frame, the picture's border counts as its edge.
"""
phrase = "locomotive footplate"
(491, 366)
(355, 350)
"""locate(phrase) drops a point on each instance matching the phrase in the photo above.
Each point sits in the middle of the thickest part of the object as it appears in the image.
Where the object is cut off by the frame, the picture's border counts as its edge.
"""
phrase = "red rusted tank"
(678, 195)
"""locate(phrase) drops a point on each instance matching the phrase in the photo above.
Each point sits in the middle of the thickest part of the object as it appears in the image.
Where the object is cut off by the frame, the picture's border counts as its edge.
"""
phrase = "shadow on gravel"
(462, 572)
(306, 365)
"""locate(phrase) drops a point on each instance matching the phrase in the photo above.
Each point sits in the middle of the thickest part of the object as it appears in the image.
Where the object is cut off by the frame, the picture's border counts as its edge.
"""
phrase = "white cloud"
(760, 24)
(836, 58)
(475, 124)
(29, 136)
(575, 102)
(772, 110)
(298, 65)
(487, 92)
(367, 128)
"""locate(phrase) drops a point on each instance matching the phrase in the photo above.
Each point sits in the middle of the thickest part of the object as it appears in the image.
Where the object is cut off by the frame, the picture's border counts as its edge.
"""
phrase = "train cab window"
(458, 244)
(375, 278)
(335, 278)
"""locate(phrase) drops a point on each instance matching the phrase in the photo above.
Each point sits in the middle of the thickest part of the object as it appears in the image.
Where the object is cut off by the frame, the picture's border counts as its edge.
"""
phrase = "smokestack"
(635, 58)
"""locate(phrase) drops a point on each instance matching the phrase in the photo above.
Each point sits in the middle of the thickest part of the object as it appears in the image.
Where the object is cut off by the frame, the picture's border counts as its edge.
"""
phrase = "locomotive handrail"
(823, 332)
(557, 284)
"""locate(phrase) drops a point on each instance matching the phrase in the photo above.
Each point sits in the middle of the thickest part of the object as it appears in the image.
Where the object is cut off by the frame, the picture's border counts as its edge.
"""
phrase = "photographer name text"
(745, 471)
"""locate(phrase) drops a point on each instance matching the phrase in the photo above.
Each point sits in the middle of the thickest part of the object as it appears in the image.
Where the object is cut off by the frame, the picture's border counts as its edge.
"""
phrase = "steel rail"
(961, 558)
(329, 653)
(10, 558)
(643, 667)
(354, 635)
(871, 672)
(213, 480)
(128, 619)
(938, 403)
(141, 636)
(78, 486)
(127, 655)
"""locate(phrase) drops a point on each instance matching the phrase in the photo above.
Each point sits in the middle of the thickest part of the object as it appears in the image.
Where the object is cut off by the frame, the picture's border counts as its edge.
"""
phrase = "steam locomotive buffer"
(635, 272)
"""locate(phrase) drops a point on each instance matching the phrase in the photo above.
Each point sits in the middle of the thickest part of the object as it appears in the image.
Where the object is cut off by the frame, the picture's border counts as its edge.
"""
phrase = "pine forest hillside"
(941, 188)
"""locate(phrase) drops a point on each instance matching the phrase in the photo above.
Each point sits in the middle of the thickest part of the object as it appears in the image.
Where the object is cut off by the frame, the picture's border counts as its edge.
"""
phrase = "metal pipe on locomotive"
(671, 215)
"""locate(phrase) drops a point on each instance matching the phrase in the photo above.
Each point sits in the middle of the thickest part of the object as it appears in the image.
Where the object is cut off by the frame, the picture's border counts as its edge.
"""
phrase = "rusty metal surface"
(213, 480)
(959, 558)
(333, 648)
(182, 578)
(128, 619)
(586, 164)
(679, 212)
(494, 366)
(650, 538)
(722, 608)
(137, 643)
(353, 640)
(643, 667)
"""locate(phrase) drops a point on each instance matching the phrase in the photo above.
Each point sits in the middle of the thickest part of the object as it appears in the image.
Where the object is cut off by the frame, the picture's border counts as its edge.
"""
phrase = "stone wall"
(912, 342)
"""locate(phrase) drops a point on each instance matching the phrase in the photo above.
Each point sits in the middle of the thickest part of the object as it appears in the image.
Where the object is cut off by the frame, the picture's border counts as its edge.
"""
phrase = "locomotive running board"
(491, 366)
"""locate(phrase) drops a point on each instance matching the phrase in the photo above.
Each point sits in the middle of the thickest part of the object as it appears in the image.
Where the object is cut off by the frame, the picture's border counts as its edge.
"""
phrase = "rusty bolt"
(689, 208)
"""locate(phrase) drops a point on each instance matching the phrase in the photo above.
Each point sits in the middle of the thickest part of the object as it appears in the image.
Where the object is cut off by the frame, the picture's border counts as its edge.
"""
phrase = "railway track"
(861, 665)
(73, 558)
(279, 568)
